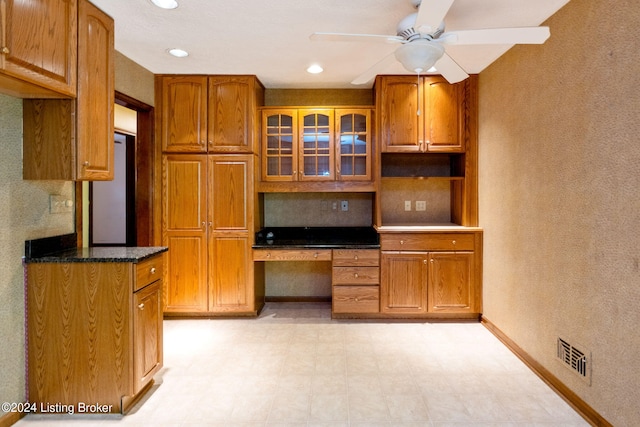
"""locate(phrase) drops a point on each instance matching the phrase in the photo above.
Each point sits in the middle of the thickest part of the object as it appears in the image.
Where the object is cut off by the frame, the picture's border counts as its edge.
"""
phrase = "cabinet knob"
(153, 270)
(402, 242)
(355, 275)
(424, 261)
(268, 254)
(315, 255)
(356, 299)
(454, 242)
(141, 306)
(86, 163)
(204, 224)
(5, 50)
(355, 257)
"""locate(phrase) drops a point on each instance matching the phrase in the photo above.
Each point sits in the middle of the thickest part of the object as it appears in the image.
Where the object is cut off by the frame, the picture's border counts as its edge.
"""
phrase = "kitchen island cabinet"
(94, 325)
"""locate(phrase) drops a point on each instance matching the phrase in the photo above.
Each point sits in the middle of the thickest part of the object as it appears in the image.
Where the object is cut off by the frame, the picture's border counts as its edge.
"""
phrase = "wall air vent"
(579, 361)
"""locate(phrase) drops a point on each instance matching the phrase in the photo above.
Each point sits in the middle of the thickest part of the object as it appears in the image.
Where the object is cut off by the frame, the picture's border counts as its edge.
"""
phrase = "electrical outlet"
(421, 205)
(344, 205)
(407, 205)
(334, 206)
(59, 204)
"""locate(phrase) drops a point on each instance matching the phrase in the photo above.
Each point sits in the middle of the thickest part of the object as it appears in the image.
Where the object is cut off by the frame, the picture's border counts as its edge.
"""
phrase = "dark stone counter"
(62, 249)
(317, 237)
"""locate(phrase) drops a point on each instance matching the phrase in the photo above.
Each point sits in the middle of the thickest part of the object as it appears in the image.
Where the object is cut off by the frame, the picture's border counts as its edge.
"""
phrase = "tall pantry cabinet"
(208, 131)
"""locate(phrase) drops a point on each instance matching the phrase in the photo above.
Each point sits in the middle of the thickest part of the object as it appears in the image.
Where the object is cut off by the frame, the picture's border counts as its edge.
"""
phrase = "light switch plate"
(407, 205)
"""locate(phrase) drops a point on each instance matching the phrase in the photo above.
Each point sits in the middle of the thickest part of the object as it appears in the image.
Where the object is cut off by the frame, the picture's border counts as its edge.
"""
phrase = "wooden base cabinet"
(208, 225)
(94, 331)
(430, 274)
(355, 281)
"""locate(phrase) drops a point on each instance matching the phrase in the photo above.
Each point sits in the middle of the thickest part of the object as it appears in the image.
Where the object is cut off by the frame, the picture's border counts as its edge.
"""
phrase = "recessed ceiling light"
(178, 53)
(165, 4)
(315, 69)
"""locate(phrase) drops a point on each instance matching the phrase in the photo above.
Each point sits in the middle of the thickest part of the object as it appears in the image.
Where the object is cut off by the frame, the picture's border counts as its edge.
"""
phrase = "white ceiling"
(270, 38)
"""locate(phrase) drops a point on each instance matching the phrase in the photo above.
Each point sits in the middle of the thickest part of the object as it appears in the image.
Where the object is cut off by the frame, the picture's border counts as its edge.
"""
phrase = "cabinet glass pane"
(360, 145)
(360, 165)
(346, 123)
(346, 166)
(323, 166)
(346, 144)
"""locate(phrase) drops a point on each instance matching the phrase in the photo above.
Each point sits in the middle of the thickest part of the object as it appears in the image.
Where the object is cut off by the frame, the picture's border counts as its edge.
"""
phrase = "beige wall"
(560, 198)
(134, 80)
(24, 215)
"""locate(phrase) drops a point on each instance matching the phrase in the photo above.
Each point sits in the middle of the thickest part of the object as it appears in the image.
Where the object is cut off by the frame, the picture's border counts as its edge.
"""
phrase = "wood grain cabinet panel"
(403, 287)
(91, 338)
(451, 287)
(72, 139)
(355, 281)
(208, 218)
(38, 48)
(425, 115)
(208, 114)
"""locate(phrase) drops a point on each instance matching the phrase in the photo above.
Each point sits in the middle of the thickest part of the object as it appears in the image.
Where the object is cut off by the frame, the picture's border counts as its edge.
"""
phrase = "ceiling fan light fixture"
(419, 55)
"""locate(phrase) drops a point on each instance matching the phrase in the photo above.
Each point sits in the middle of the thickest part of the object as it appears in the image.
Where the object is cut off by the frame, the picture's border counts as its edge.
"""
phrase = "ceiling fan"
(423, 41)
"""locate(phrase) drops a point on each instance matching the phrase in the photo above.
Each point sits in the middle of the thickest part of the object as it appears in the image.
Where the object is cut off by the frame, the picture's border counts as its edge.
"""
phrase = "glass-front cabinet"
(280, 145)
(316, 144)
(316, 153)
(354, 144)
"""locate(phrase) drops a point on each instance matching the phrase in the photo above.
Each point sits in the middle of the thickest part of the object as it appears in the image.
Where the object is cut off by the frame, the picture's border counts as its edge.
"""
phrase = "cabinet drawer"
(427, 242)
(355, 257)
(356, 275)
(148, 271)
(356, 299)
(291, 255)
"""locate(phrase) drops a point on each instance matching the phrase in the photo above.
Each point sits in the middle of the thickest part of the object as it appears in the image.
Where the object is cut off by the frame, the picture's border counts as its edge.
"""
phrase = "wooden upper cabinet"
(183, 113)
(353, 144)
(38, 48)
(215, 114)
(96, 90)
(232, 113)
(72, 139)
(279, 144)
(425, 115)
(316, 153)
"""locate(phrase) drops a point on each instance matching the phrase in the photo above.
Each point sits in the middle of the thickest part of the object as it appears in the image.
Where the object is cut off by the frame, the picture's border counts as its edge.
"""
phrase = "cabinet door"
(231, 267)
(183, 113)
(94, 142)
(399, 104)
(451, 287)
(231, 191)
(279, 145)
(147, 326)
(316, 154)
(185, 232)
(231, 114)
(444, 118)
(39, 42)
(353, 144)
(403, 286)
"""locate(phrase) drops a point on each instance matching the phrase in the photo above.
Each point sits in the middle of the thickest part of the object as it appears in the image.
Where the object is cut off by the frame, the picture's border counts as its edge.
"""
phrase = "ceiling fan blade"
(376, 69)
(522, 35)
(450, 70)
(342, 37)
(431, 14)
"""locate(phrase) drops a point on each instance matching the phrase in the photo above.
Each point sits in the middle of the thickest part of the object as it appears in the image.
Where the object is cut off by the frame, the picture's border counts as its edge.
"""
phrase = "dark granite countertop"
(62, 249)
(317, 237)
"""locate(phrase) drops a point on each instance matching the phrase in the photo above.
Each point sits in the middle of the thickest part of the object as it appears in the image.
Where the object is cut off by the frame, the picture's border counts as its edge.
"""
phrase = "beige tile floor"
(294, 366)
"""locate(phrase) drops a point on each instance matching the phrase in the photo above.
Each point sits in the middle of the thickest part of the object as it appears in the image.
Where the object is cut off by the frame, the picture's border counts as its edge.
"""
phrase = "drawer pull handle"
(269, 255)
(402, 242)
(141, 306)
(355, 257)
(315, 255)
(454, 242)
(153, 270)
(355, 275)
(357, 300)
